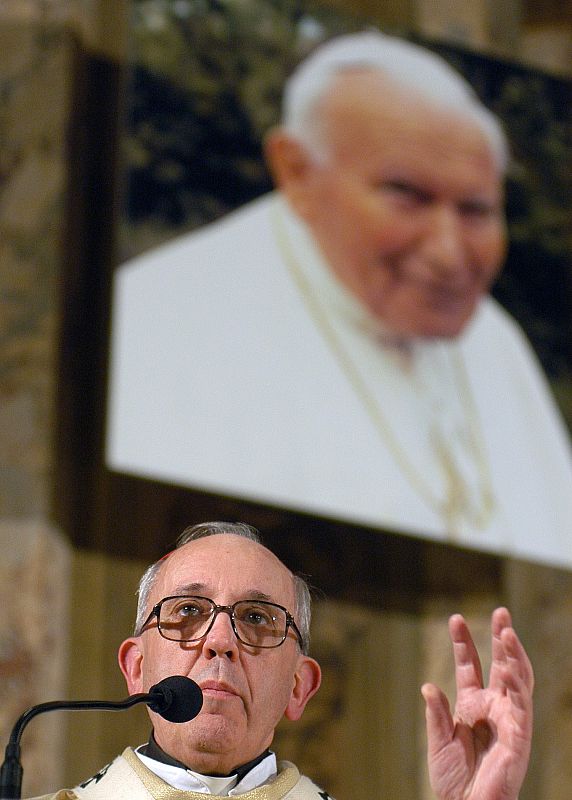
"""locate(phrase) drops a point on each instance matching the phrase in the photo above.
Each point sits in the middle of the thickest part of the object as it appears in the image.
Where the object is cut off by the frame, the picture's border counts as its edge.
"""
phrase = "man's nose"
(443, 244)
(221, 640)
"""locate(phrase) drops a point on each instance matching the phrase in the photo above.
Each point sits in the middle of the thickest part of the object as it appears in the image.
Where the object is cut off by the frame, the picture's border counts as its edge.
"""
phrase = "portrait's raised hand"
(481, 751)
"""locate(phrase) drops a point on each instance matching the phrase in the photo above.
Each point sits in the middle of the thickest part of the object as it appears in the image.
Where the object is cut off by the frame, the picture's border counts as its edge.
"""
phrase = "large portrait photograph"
(343, 282)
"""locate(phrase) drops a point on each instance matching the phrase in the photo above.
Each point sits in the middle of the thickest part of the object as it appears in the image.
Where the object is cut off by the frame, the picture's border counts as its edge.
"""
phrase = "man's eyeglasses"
(185, 618)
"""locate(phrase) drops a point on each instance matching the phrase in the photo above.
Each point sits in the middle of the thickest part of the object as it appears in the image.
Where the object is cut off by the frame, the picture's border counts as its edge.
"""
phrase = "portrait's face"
(246, 691)
(406, 206)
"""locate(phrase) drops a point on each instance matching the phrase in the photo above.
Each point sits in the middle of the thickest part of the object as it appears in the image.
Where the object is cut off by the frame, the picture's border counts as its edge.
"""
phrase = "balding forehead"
(225, 559)
(373, 87)
(361, 90)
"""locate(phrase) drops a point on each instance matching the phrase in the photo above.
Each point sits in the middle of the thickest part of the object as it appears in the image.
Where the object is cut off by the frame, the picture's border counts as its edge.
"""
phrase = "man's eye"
(188, 610)
(256, 616)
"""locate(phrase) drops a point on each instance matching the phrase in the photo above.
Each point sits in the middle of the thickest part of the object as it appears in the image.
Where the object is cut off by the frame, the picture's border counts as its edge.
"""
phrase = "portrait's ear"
(306, 683)
(290, 165)
(130, 660)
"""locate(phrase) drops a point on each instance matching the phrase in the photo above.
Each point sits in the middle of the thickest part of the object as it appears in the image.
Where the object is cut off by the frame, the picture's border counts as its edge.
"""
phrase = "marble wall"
(34, 576)
(34, 112)
(34, 82)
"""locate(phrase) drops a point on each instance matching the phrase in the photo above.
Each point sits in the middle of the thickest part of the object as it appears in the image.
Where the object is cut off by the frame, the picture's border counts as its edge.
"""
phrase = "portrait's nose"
(221, 640)
(443, 244)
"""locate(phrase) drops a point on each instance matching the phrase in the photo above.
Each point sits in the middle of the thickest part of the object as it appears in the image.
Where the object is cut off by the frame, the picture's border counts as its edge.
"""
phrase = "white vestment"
(127, 778)
(241, 366)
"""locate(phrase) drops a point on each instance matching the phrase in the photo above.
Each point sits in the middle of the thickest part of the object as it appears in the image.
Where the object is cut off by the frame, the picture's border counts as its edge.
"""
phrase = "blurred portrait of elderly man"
(332, 346)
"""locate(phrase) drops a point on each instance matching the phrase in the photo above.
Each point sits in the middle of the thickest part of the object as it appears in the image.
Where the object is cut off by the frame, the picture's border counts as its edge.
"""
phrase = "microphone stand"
(11, 770)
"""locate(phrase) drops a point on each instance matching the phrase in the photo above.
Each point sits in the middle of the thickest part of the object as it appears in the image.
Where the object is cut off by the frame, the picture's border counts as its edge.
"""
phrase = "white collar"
(190, 781)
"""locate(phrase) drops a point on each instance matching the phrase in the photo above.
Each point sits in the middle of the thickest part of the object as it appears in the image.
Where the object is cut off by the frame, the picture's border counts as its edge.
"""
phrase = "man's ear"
(291, 166)
(130, 660)
(307, 681)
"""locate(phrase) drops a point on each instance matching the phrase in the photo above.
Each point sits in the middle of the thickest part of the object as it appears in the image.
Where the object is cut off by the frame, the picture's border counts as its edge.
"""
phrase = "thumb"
(439, 722)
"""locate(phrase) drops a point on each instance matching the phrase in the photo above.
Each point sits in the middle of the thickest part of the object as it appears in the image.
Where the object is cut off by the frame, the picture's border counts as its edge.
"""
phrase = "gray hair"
(413, 67)
(303, 610)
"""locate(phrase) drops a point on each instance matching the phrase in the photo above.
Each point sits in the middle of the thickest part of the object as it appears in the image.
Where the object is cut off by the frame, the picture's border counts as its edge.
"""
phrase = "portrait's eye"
(478, 209)
(405, 192)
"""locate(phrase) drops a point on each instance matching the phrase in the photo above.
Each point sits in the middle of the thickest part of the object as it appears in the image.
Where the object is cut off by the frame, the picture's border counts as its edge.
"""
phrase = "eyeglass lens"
(257, 623)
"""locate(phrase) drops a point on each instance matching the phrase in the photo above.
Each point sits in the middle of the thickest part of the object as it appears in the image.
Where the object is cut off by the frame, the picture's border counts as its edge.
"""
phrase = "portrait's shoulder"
(492, 311)
(225, 237)
(495, 337)
(493, 321)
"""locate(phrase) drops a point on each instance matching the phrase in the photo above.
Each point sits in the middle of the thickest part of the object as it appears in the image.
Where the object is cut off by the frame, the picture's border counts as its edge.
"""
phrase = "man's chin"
(209, 732)
(210, 747)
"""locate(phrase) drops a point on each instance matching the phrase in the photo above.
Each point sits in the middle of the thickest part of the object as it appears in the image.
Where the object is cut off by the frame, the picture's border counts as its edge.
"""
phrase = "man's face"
(406, 208)
(245, 691)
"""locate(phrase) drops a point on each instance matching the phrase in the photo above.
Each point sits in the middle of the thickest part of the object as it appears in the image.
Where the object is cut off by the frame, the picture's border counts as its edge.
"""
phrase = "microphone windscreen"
(177, 698)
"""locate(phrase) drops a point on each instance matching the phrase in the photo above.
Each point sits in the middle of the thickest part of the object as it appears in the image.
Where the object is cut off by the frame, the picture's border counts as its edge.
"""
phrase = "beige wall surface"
(34, 642)
(35, 82)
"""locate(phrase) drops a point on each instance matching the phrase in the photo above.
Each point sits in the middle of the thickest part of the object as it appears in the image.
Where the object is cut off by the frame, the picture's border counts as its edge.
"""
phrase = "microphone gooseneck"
(176, 698)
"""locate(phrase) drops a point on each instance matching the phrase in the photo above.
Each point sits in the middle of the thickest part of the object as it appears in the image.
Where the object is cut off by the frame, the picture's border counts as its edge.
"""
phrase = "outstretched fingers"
(483, 750)
(518, 683)
(468, 670)
(500, 623)
(510, 666)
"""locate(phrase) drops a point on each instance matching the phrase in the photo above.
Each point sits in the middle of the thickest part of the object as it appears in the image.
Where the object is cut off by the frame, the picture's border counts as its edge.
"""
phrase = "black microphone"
(177, 699)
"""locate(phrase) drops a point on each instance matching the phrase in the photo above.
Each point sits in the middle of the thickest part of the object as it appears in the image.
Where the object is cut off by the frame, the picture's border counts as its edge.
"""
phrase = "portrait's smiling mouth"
(446, 297)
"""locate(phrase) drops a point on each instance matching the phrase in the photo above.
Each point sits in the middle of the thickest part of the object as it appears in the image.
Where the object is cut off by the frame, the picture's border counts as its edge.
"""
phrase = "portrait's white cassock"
(240, 366)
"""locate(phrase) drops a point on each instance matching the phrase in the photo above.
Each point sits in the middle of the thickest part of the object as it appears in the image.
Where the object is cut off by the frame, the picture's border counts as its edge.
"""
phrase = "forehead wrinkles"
(237, 567)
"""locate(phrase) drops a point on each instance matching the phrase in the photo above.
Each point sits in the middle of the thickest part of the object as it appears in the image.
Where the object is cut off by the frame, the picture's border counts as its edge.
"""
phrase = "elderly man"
(222, 610)
(331, 347)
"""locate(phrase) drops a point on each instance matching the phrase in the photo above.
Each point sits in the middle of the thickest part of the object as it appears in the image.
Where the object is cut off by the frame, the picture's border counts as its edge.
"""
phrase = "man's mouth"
(218, 689)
